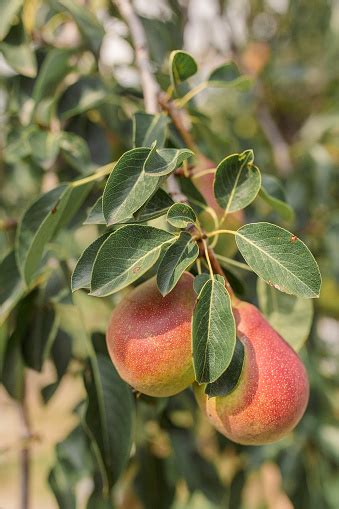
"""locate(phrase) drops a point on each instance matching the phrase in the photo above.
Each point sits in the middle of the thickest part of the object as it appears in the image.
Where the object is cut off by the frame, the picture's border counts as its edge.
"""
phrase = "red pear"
(149, 338)
(272, 392)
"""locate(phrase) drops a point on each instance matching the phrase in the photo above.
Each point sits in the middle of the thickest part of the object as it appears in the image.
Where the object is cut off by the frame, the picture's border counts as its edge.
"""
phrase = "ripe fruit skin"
(149, 338)
(273, 389)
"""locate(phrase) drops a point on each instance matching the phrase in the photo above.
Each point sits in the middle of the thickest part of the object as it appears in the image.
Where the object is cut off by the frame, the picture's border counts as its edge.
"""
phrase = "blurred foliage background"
(68, 88)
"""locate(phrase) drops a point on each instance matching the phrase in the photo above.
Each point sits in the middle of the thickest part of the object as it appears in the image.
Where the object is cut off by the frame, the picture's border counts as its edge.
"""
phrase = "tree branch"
(153, 99)
(149, 85)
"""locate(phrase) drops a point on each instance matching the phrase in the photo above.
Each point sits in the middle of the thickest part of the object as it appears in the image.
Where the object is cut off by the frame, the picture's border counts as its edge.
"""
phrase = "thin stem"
(104, 170)
(175, 115)
(235, 263)
(198, 263)
(218, 232)
(203, 172)
(148, 83)
(179, 103)
(217, 269)
(208, 258)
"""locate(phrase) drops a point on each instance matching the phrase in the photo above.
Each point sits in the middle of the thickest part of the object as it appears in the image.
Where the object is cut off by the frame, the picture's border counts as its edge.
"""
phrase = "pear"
(149, 338)
(272, 392)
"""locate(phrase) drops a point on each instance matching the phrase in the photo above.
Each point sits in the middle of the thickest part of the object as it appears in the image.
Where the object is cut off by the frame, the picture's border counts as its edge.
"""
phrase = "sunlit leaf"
(280, 259)
(128, 187)
(125, 256)
(181, 215)
(182, 66)
(166, 160)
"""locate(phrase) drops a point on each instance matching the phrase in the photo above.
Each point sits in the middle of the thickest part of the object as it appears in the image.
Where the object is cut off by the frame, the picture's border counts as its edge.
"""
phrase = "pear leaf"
(280, 259)
(289, 315)
(228, 381)
(125, 256)
(213, 332)
(128, 187)
(182, 66)
(164, 161)
(237, 181)
(181, 215)
(178, 257)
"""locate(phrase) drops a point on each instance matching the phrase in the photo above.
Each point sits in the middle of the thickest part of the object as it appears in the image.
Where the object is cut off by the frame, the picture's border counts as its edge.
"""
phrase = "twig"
(149, 85)
(175, 115)
(152, 100)
(217, 269)
(25, 454)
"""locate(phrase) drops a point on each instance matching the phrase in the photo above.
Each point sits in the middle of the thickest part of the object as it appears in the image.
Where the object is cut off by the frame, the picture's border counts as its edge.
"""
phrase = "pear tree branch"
(153, 99)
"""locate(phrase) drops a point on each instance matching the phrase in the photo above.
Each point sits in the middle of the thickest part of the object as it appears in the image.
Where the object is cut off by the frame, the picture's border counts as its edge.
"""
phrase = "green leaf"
(149, 128)
(228, 381)
(44, 146)
(82, 274)
(86, 94)
(62, 486)
(128, 187)
(165, 160)
(56, 66)
(91, 30)
(125, 256)
(95, 214)
(153, 471)
(12, 287)
(182, 66)
(75, 151)
(13, 368)
(18, 52)
(228, 75)
(280, 259)
(199, 282)
(109, 416)
(331, 242)
(178, 257)
(273, 193)
(289, 315)
(196, 199)
(8, 11)
(39, 337)
(155, 207)
(213, 332)
(41, 221)
(199, 474)
(181, 215)
(237, 181)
